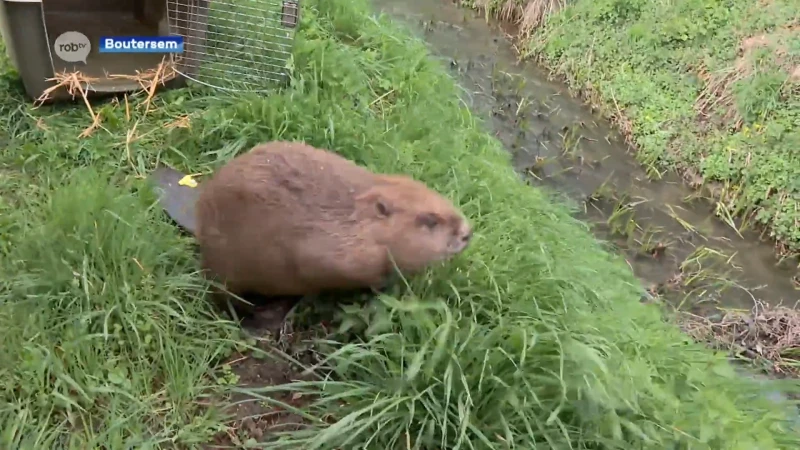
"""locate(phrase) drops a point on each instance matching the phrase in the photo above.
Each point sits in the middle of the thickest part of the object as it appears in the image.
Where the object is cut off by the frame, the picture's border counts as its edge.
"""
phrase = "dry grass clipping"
(78, 84)
(770, 334)
(718, 91)
(75, 83)
(717, 94)
(536, 12)
(150, 79)
(528, 16)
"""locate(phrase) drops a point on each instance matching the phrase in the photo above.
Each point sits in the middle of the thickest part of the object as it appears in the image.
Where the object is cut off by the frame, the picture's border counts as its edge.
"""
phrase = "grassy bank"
(709, 87)
(535, 335)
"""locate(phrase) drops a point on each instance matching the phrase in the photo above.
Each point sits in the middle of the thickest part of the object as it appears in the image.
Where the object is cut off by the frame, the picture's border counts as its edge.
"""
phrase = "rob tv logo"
(72, 46)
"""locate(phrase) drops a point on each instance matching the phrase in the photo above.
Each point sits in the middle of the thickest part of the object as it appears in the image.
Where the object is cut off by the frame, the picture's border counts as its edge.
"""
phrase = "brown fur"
(289, 219)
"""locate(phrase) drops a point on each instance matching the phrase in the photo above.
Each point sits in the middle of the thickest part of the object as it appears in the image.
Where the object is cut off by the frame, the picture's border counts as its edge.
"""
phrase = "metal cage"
(234, 44)
(228, 44)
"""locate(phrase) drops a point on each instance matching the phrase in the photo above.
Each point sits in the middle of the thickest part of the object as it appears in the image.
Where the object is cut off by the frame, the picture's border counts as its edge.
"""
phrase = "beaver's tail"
(178, 199)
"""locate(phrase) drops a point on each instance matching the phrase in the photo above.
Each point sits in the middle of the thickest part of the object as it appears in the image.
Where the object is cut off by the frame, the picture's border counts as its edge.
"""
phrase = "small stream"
(668, 234)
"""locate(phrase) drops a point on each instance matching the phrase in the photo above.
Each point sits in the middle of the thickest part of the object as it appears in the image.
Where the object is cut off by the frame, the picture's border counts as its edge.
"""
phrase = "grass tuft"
(107, 340)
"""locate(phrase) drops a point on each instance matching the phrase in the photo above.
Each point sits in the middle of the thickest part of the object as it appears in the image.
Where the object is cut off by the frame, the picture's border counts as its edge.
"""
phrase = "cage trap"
(227, 44)
(234, 44)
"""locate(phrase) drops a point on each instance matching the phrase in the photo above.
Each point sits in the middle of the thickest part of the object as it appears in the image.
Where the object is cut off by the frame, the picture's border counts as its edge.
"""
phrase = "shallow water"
(557, 141)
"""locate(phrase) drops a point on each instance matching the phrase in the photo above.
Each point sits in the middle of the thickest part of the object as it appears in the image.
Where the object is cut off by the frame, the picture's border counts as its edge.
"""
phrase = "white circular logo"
(72, 46)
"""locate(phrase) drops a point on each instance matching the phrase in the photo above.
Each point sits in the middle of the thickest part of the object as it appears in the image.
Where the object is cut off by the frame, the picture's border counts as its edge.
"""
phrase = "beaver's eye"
(429, 220)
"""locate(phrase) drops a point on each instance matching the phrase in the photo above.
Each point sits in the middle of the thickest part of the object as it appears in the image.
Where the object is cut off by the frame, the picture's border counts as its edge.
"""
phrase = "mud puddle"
(667, 232)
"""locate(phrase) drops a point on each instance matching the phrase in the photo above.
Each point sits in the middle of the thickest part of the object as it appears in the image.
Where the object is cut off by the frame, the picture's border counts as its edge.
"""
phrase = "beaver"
(289, 219)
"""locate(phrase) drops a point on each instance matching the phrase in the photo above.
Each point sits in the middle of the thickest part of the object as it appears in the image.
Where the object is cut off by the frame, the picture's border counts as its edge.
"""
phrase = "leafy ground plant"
(535, 338)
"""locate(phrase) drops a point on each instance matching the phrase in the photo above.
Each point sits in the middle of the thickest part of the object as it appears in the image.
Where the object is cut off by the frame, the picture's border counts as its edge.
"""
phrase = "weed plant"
(534, 338)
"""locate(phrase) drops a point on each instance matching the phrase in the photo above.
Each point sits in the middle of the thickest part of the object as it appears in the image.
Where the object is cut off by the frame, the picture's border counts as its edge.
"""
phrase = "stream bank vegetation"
(708, 89)
(535, 335)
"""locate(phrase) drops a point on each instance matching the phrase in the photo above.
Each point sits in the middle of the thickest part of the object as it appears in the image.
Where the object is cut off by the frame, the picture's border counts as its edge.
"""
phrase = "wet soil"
(254, 420)
(668, 232)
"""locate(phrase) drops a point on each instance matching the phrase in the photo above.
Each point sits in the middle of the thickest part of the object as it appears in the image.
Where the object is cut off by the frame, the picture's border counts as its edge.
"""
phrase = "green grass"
(651, 61)
(535, 338)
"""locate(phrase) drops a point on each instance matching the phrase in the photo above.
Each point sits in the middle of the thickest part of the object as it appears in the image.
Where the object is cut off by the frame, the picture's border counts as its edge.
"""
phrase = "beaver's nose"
(467, 236)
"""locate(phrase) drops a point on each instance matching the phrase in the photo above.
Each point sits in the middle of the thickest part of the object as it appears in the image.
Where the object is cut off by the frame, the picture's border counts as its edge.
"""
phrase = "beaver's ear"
(383, 208)
(376, 203)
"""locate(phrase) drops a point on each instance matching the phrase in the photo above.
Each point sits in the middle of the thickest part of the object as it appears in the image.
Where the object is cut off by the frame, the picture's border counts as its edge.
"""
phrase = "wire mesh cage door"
(234, 44)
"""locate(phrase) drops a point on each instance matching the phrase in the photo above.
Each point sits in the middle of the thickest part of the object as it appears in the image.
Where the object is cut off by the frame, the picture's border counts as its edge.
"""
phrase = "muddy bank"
(668, 233)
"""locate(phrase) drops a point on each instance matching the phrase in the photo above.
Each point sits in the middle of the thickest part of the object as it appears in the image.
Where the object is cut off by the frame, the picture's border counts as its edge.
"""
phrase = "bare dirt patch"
(716, 100)
(253, 420)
